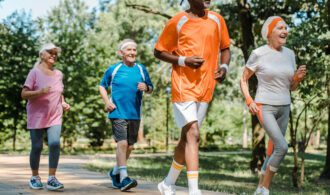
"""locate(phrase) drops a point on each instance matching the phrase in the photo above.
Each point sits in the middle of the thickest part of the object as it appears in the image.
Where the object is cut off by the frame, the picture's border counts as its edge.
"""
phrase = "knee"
(193, 133)
(54, 145)
(283, 149)
(123, 145)
(36, 148)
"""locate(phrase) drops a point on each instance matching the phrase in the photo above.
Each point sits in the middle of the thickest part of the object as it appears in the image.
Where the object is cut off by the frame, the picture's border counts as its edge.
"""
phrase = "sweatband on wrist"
(225, 66)
(296, 79)
(248, 101)
(181, 60)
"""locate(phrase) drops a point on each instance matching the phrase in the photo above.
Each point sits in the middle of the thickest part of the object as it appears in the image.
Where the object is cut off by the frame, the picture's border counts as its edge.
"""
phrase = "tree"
(69, 25)
(18, 54)
(326, 171)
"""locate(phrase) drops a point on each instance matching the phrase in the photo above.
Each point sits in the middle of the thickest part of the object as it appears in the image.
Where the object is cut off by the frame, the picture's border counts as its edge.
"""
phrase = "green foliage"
(17, 56)
(89, 42)
(68, 25)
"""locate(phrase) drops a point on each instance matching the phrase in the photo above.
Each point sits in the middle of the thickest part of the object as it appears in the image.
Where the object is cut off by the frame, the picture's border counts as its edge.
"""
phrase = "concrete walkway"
(15, 173)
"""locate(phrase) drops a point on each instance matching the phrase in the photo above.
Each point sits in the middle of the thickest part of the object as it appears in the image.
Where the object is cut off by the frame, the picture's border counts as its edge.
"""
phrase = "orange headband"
(272, 25)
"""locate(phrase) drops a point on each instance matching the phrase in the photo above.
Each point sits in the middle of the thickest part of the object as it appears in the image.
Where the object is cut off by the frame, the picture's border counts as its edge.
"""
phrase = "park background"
(232, 141)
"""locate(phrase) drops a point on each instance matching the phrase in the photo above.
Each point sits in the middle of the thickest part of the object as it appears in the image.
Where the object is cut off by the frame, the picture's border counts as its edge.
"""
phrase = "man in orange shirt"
(192, 41)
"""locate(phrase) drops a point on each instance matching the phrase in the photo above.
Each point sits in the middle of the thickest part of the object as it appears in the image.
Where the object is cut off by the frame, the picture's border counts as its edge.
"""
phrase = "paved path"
(15, 173)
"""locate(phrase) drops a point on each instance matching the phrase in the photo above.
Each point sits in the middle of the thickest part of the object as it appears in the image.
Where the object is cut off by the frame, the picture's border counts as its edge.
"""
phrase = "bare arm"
(66, 106)
(27, 94)
(193, 61)
(244, 83)
(104, 94)
(220, 74)
(225, 56)
(298, 77)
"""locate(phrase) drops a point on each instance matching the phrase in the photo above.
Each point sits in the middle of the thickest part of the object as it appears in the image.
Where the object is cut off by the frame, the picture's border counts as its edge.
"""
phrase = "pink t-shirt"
(45, 110)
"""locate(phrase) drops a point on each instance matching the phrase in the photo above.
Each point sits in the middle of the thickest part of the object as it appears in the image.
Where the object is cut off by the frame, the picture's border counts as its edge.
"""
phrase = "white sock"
(115, 170)
(265, 191)
(123, 172)
(192, 180)
(174, 173)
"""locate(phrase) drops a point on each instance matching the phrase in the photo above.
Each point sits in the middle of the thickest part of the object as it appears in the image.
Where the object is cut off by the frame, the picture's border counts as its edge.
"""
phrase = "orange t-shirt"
(204, 37)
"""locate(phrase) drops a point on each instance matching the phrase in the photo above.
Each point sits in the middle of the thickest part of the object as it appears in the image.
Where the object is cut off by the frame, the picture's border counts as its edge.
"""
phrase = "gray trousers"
(274, 120)
(53, 135)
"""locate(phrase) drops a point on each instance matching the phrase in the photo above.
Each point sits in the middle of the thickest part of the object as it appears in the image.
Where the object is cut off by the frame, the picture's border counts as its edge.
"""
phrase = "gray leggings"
(53, 135)
(275, 120)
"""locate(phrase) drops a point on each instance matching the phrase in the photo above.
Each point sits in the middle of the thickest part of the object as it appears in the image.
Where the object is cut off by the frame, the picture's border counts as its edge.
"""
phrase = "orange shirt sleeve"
(168, 39)
(225, 39)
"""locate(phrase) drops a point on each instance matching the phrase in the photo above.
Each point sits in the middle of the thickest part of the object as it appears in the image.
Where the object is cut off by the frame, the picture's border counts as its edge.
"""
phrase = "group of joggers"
(191, 41)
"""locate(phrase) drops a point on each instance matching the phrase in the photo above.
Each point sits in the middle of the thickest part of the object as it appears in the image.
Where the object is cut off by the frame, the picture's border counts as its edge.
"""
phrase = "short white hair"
(126, 42)
(264, 29)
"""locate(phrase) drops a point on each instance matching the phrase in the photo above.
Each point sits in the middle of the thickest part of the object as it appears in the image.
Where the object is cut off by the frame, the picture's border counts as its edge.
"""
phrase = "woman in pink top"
(43, 89)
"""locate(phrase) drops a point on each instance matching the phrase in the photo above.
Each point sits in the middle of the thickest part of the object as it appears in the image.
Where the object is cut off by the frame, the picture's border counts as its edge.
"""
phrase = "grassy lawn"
(225, 172)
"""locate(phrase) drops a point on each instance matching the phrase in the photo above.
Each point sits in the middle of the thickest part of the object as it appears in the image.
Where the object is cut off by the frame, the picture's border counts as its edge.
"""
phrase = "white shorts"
(187, 112)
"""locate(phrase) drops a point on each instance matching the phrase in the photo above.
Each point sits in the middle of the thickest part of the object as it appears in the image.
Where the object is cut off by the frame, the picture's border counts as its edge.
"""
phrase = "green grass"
(226, 173)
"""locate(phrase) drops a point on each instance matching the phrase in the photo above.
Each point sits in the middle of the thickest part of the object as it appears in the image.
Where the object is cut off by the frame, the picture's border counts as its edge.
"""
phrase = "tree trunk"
(317, 139)
(294, 174)
(326, 171)
(14, 134)
(246, 22)
(259, 149)
(245, 134)
(302, 174)
(141, 139)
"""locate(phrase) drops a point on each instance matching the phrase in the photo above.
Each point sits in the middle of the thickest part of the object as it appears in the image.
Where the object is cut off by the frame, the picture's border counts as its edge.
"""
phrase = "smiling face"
(128, 54)
(279, 34)
(49, 56)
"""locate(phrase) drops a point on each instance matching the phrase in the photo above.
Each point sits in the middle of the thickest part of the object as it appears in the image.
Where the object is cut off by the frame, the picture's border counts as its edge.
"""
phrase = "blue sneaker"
(53, 184)
(35, 183)
(127, 184)
(115, 179)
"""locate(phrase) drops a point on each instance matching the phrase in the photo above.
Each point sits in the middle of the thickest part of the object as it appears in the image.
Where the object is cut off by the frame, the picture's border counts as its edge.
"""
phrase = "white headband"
(127, 43)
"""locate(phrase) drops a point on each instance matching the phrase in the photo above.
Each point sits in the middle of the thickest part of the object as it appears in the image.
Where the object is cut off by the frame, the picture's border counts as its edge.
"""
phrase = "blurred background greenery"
(89, 37)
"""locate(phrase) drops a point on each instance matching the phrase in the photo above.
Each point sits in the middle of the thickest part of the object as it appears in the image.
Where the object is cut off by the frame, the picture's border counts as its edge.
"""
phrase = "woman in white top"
(274, 66)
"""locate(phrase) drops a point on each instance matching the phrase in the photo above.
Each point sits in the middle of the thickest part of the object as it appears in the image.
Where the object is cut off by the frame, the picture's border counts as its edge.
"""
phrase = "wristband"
(248, 101)
(296, 79)
(225, 66)
(181, 60)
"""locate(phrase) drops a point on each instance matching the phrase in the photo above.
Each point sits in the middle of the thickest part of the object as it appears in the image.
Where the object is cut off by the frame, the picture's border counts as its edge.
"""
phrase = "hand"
(142, 86)
(194, 61)
(45, 90)
(66, 106)
(220, 74)
(300, 73)
(253, 108)
(110, 107)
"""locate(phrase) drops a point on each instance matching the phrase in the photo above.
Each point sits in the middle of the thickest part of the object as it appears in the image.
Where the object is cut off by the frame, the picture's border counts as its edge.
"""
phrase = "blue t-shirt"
(123, 82)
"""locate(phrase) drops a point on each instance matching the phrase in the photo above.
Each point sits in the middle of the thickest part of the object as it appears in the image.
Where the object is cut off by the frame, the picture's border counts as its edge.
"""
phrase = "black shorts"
(123, 129)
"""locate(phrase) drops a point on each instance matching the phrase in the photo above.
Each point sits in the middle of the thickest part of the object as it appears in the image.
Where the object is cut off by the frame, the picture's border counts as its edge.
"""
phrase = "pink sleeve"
(30, 80)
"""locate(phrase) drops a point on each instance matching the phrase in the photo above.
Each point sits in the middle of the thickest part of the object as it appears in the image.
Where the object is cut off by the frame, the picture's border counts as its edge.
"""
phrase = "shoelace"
(37, 181)
(54, 181)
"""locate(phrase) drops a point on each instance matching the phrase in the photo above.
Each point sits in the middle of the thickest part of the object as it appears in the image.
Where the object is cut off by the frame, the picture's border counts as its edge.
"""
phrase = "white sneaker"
(165, 189)
(264, 191)
(258, 191)
(198, 192)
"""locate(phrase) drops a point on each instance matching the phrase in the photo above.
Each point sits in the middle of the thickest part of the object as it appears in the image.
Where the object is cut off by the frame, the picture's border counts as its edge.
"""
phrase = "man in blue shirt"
(127, 81)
